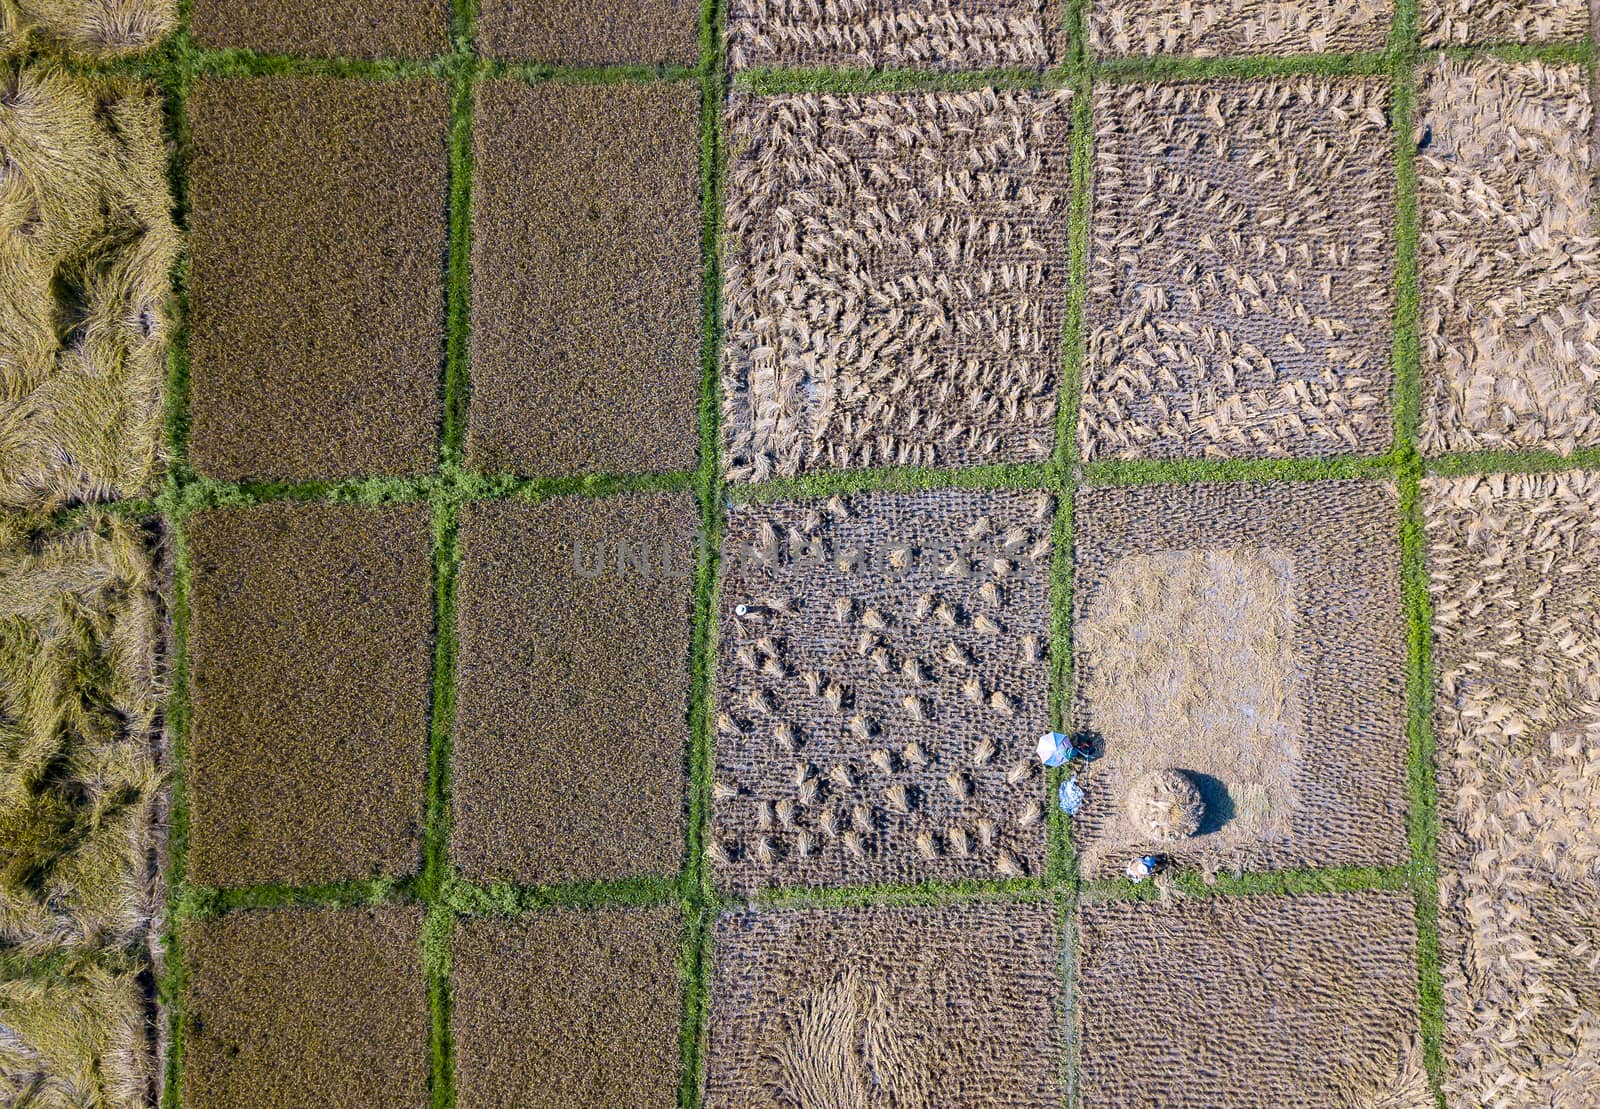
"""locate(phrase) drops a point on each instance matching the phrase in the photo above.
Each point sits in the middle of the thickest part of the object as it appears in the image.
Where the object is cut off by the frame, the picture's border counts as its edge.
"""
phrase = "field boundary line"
(173, 77)
(1422, 810)
(699, 756)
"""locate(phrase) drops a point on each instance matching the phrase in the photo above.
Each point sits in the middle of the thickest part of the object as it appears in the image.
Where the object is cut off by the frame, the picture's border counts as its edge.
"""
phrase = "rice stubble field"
(1244, 344)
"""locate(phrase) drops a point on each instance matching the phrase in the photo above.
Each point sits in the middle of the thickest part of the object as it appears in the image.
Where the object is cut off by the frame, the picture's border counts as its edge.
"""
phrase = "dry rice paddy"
(306, 1009)
(316, 295)
(320, 28)
(568, 747)
(568, 1008)
(1509, 259)
(1249, 636)
(1246, 310)
(1255, 27)
(882, 677)
(1515, 583)
(552, 593)
(850, 1008)
(896, 34)
(895, 279)
(586, 278)
(1252, 1003)
(1454, 22)
(307, 761)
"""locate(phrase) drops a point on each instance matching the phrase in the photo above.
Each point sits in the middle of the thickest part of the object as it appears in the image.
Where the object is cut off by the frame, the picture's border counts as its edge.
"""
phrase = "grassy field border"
(1422, 811)
(172, 69)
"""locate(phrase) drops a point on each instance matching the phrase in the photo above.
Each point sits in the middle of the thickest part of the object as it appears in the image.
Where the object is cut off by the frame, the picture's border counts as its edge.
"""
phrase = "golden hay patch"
(895, 280)
(1194, 667)
(1248, 636)
(87, 246)
(85, 28)
(1514, 563)
(1509, 262)
(1255, 27)
(880, 697)
(1241, 270)
(896, 34)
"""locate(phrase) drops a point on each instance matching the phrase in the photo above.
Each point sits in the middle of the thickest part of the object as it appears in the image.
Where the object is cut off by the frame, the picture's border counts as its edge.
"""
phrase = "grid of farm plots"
(652, 473)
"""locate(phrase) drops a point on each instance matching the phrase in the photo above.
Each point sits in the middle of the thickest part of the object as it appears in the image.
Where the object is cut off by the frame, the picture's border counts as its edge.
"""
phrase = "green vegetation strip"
(700, 913)
(1422, 817)
(1062, 866)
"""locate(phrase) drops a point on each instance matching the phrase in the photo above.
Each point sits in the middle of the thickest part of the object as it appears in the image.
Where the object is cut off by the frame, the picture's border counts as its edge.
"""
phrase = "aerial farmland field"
(799, 554)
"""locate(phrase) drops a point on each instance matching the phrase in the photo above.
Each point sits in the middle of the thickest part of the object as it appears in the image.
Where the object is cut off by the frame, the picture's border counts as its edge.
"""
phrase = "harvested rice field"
(935, 1005)
(1250, 1002)
(1246, 312)
(1515, 582)
(799, 554)
(1249, 637)
(1261, 28)
(883, 672)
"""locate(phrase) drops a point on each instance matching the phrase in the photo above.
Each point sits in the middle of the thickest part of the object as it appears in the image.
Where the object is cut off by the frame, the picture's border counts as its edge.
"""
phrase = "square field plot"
(305, 1009)
(568, 1008)
(573, 688)
(896, 277)
(897, 34)
(586, 298)
(1240, 299)
(325, 28)
(597, 32)
(880, 696)
(945, 1005)
(1460, 22)
(1508, 257)
(312, 653)
(317, 244)
(1250, 1003)
(1242, 643)
(1514, 565)
(1249, 27)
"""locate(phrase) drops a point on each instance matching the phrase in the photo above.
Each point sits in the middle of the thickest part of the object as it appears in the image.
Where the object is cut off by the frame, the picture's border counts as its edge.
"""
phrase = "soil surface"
(830, 1008)
(586, 260)
(573, 688)
(1252, 1003)
(317, 243)
(306, 1009)
(569, 1008)
(312, 653)
(1251, 635)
